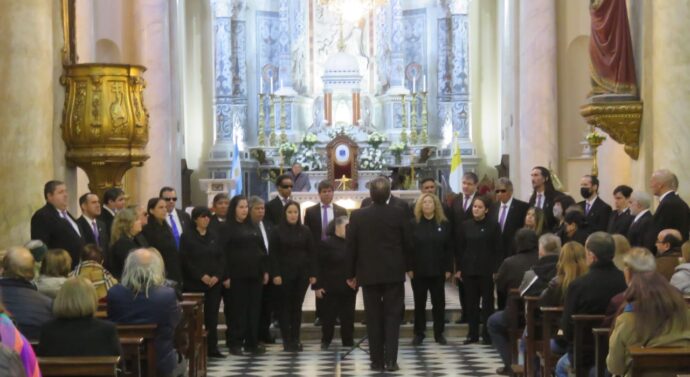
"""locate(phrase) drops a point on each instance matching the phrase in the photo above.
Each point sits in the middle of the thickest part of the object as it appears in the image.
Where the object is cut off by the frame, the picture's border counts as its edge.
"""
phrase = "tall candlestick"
(424, 84)
(271, 84)
(414, 84)
(261, 85)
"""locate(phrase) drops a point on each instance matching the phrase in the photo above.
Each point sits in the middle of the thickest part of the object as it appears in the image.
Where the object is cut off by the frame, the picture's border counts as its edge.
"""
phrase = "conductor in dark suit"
(543, 195)
(53, 225)
(92, 228)
(391, 200)
(379, 241)
(597, 212)
(672, 212)
(274, 208)
(317, 218)
(620, 219)
(641, 232)
(509, 213)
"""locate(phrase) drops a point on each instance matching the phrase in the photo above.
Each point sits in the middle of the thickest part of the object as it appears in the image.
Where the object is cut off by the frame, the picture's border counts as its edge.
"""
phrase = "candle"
(424, 84)
(281, 83)
(261, 85)
(414, 84)
(271, 84)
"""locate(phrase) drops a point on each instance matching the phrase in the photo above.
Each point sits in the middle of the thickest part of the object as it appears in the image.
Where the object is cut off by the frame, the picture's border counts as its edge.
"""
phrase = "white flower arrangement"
(340, 130)
(307, 156)
(309, 140)
(287, 150)
(397, 150)
(371, 159)
(375, 139)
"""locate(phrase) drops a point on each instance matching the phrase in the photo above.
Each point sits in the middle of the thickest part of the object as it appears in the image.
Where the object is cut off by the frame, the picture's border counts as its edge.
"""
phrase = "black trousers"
(384, 306)
(267, 311)
(211, 308)
(338, 305)
(436, 287)
(462, 296)
(244, 301)
(291, 297)
(476, 288)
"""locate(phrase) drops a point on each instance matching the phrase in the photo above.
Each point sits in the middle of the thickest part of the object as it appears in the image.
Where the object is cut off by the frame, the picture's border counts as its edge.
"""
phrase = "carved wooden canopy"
(342, 160)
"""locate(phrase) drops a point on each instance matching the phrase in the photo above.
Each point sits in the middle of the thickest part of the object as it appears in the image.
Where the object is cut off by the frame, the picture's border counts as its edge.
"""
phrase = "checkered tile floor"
(430, 359)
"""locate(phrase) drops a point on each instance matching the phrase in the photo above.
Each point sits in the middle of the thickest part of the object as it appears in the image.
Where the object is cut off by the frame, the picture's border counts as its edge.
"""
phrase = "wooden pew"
(132, 349)
(601, 349)
(514, 314)
(198, 339)
(659, 359)
(94, 366)
(146, 332)
(532, 333)
(583, 340)
(551, 317)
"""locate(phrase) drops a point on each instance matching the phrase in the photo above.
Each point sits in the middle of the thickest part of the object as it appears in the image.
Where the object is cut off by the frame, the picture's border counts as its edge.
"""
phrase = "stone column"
(538, 119)
(285, 49)
(355, 108)
(328, 107)
(152, 26)
(397, 56)
(26, 111)
(670, 59)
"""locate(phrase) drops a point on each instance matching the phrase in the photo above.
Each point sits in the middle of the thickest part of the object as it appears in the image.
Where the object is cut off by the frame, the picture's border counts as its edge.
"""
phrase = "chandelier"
(351, 10)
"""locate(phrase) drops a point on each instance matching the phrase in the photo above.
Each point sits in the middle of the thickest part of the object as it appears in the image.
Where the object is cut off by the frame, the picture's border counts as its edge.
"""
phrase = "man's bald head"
(668, 239)
(663, 180)
(19, 263)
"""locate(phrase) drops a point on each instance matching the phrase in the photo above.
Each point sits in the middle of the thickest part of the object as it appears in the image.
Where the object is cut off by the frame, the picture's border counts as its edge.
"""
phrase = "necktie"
(502, 219)
(70, 222)
(467, 202)
(176, 232)
(95, 232)
(587, 208)
(285, 201)
(539, 201)
(324, 222)
(263, 235)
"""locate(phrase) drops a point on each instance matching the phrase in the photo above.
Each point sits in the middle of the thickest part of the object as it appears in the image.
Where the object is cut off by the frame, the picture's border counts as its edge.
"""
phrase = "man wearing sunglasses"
(177, 219)
(274, 208)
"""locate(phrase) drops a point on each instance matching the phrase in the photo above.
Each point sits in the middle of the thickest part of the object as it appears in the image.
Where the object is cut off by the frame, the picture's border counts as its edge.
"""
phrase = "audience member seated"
(513, 268)
(75, 331)
(549, 246)
(574, 228)
(655, 316)
(590, 293)
(622, 248)
(141, 297)
(91, 268)
(30, 309)
(637, 260)
(534, 220)
(681, 278)
(572, 263)
(54, 271)
(668, 244)
(126, 227)
(14, 341)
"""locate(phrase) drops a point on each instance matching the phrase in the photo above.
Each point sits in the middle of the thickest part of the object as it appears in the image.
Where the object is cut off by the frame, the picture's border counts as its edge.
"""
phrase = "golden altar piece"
(621, 120)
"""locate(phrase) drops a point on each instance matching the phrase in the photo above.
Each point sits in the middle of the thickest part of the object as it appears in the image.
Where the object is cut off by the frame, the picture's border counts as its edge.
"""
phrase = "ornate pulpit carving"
(342, 161)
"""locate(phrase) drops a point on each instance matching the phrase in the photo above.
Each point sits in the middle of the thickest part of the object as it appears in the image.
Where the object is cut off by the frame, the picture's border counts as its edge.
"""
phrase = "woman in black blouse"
(477, 258)
(246, 271)
(294, 264)
(159, 236)
(126, 228)
(431, 265)
(203, 269)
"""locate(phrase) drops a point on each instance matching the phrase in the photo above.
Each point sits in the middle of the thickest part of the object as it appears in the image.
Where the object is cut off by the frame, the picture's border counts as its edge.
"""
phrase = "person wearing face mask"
(597, 212)
(560, 204)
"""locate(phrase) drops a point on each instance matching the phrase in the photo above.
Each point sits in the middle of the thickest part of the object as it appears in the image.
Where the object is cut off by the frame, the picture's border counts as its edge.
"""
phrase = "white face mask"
(557, 211)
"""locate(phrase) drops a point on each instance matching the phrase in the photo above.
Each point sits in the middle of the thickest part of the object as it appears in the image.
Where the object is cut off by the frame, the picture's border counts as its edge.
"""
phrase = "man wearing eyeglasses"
(274, 208)
(177, 219)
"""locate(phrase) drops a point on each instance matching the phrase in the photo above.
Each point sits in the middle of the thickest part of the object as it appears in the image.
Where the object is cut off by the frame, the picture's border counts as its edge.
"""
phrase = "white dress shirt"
(65, 215)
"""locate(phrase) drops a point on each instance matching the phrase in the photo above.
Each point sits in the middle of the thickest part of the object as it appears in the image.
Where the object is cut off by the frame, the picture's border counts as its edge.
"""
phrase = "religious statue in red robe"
(610, 49)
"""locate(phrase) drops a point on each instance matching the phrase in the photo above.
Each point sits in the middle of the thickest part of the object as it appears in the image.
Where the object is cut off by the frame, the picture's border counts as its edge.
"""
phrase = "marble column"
(26, 111)
(152, 26)
(508, 28)
(538, 119)
(397, 55)
(670, 59)
(285, 49)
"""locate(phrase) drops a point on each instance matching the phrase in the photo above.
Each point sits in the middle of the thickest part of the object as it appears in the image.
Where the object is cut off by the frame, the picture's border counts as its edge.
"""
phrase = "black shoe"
(470, 340)
(348, 344)
(268, 339)
(317, 321)
(324, 346)
(417, 341)
(289, 348)
(215, 354)
(376, 366)
(298, 347)
(441, 340)
(237, 351)
(486, 340)
(258, 350)
(392, 366)
(504, 371)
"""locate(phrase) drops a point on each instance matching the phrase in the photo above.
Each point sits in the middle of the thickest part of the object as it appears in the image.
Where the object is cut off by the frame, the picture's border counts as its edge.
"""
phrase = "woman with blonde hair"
(126, 226)
(572, 263)
(622, 248)
(534, 219)
(76, 331)
(55, 268)
(432, 261)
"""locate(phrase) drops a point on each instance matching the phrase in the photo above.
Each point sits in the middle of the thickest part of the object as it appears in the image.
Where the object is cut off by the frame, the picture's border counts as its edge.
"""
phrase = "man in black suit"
(178, 220)
(672, 212)
(392, 200)
(641, 232)
(543, 195)
(92, 229)
(53, 225)
(221, 204)
(620, 219)
(113, 202)
(257, 213)
(379, 242)
(317, 218)
(274, 208)
(597, 212)
(509, 213)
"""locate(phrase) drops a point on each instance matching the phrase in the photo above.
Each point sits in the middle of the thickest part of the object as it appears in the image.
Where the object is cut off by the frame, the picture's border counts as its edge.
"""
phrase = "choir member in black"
(159, 236)
(221, 203)
(338, 299)
(126, 228)
(432, 262)
(257, 212)
(203, 270)
(478, 255)
(543, 195)
(246, 272)
(294, 267)
(620, 219)
(597, 212)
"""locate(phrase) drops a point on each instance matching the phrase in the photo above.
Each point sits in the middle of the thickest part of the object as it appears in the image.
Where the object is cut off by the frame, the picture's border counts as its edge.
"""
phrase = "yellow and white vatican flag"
(456, 172)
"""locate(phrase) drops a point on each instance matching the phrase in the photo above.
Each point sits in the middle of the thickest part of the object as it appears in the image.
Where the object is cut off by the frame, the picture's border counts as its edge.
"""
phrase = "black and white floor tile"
(430, 359)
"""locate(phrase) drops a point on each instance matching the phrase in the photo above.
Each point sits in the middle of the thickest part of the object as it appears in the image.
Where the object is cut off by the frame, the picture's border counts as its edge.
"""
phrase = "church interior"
(210, 97)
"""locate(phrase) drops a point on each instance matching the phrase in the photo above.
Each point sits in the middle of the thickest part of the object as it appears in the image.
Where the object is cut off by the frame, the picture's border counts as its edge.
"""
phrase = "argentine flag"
(456, 172)
(236, 171)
